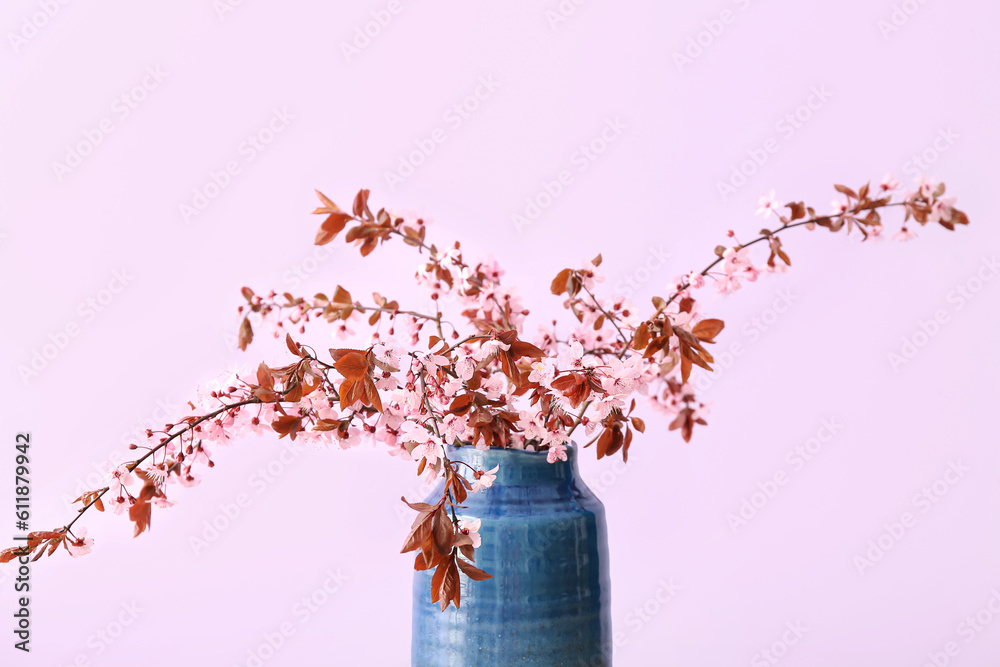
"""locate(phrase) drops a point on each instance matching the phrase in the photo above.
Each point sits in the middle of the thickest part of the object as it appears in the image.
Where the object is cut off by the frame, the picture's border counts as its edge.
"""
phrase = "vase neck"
(517, 467)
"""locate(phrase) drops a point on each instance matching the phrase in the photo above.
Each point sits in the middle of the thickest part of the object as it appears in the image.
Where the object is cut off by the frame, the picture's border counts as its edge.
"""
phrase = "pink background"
(653, 191)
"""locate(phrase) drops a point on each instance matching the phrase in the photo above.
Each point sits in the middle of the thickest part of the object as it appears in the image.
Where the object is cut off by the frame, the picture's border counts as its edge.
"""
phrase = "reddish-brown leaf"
(707, 330)
(10, 554)
(844, 190)
(245, 333)
(451, 588)
(419, 533)
(443, 530)
(361, 204)
(265, 395)
(141, 512)
(685, 368)
(518, 349)
(372, 397)
(264, 377)
(287, 425)
(461, 404)
(473, 572)
(559, 282)
(333, 225)
(420, 507)
(641, 338)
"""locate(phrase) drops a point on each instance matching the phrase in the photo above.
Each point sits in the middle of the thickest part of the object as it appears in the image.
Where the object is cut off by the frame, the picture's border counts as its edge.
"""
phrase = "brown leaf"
(141, 513)
(419, 533)
(420, 507)
(604, 442)
(707, 330)
(844, 190)
(473, 572)
(685, 368)
(519, 348)
(451, 590)
(459, 490)
(287, 425)
(641, 337)
(245, 334)
(333, 225)
(372, 397)
(264, 377)
(798, 210)
(361, 204)
(265, 395)
(10, 554)
(559, 282)
(461, 404)
(443, 530)
(355, 368)
(328, 206)
(440, 590)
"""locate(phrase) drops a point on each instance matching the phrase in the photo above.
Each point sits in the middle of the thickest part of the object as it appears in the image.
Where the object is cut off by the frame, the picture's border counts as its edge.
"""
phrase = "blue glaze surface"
(545, 543)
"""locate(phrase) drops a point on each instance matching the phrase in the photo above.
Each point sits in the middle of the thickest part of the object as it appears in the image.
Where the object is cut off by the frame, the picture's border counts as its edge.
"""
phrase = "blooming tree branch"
(467, 374)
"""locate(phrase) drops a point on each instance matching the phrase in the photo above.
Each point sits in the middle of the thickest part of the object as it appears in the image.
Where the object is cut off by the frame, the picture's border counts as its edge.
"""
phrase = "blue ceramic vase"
(544, 540)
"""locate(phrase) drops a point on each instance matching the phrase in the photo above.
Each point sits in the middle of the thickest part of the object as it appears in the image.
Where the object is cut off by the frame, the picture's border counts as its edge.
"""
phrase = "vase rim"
(571, 445)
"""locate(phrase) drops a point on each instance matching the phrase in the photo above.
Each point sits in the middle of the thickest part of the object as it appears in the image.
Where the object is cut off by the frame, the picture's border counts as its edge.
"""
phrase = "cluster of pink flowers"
(420, 382)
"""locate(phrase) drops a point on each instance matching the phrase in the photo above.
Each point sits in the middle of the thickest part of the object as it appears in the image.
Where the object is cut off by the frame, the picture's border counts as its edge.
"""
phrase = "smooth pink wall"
(879, 98)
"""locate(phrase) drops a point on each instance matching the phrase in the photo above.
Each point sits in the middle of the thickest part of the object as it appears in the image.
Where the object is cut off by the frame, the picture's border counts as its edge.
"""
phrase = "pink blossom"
(888, 184)
(941, 209)
(121, 477)
(841, 208)
(767, 204)
(201, 454)
(734, 260)
(925, 187)
(158, 471)
(454, 428)
(904, 234)
(695, 280)
(389, 353)
(571, 357)
(432, 362)
(189, 479)
(353, 438)
(465, 366)
(620, 377)
(603, 405)
(341, 331)
(161, 502)
(591, 275)
(556, 453)
(81, 545)
(471, 528)
(484, 479)
(726, 284)
(542, 372)
(489, 349)
(120, 503)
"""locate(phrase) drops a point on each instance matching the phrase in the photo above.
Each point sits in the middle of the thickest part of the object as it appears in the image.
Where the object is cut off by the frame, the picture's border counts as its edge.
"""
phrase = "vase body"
(544, 540)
